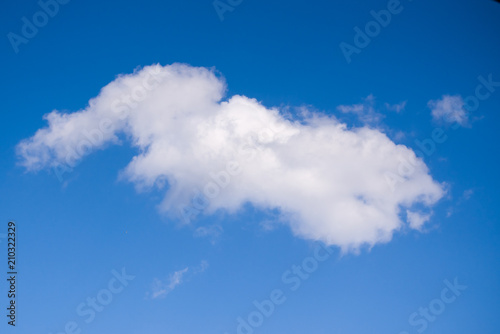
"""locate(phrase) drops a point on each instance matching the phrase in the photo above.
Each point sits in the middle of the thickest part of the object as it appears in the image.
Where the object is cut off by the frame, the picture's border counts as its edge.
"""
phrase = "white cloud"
(211, 232)
(417, 220)
(468, 194)
(160, 288)
(327, 181)
(364, 111)
(396, 107)
(201, 267)
(449, 109)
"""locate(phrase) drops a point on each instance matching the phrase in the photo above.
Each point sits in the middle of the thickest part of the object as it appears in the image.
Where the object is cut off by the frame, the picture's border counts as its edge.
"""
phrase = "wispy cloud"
(467, 194)
(396, 107)
(365, 111)
(201, 267)
(161, 288)
(211, 232)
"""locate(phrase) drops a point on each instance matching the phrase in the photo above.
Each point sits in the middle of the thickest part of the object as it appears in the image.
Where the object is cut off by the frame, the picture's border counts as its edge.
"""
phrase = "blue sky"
(110, 228)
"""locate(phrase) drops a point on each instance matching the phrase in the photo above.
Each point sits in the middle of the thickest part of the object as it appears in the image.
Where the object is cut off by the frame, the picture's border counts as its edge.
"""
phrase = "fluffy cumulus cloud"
(449, 109)
(416, 219)
(329, 182)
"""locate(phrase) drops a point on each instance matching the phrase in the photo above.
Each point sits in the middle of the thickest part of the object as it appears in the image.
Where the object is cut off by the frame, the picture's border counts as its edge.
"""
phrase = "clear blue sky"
(73, 234)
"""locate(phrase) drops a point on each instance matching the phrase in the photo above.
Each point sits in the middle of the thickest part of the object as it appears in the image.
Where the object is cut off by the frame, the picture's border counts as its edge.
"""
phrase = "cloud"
(211, 232)
(396, 107)
(201, 267)
(468, 194)
(327, 181)
(160, 289)
(364, 111)
(417, 220)
(450, 110)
